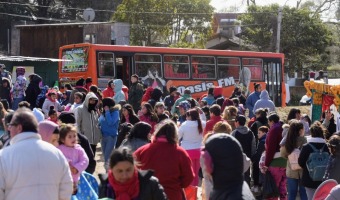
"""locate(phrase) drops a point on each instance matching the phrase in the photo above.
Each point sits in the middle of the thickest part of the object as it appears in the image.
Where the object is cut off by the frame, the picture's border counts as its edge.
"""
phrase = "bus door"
(273, 79)
(123, 66)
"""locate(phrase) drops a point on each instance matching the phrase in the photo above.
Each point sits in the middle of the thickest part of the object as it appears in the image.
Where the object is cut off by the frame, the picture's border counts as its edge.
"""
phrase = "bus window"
(176, 66)
(106, 64)
(79, 57)
(255, 65)
(203, 67)
(147, 62)
(228, 67)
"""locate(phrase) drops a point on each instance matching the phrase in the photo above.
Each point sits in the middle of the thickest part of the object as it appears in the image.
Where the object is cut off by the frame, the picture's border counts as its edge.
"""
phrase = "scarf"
(125, 191)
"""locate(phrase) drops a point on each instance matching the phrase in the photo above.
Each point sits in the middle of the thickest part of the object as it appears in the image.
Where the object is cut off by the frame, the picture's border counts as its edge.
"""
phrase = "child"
(52, 115)
(262, 134)
(78, 100)
(74, 153)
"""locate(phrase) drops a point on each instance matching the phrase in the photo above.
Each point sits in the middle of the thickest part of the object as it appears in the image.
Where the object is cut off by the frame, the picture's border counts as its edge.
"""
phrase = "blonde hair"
(222, 127)
(229, 111)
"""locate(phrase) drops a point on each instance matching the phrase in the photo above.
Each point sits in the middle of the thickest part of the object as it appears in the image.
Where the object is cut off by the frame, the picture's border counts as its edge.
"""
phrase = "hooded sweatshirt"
(246, 138)
(46, 129)
(87, 121)
(119, 94)
(264, 102)
(33, 90)
(227, 170)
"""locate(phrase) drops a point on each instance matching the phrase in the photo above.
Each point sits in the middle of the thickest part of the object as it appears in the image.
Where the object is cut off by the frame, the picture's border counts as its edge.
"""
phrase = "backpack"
(293, 159)
(317, 163)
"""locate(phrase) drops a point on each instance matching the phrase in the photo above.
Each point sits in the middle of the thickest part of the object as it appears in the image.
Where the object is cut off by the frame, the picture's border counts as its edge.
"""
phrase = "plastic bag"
(191, 192)
(270, 189)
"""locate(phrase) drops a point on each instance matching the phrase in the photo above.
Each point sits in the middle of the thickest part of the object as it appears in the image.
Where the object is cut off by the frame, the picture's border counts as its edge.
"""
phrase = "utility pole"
(278, 32)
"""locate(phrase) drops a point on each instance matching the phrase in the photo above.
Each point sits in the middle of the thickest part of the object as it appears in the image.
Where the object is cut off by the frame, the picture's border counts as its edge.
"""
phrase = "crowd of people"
(156, 146)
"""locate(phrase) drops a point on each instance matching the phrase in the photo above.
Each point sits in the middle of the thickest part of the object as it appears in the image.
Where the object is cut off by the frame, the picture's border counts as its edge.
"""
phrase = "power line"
(31, 17)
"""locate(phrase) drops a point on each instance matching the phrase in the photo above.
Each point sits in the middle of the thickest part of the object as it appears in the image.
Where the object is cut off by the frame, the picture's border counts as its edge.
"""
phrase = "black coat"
(84, 143)
(149, 187)
(306, 150)
(33, 90)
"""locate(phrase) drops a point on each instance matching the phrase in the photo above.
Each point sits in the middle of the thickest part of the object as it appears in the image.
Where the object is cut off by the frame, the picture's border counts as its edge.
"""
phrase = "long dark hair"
(292, 114)
(195, 117)
(168, 129)
(150, 112)
(120, 155)
(140, 130)
(293, 135)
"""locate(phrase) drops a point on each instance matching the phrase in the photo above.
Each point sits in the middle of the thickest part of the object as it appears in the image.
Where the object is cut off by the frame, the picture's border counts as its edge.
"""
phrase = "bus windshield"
(79, 57)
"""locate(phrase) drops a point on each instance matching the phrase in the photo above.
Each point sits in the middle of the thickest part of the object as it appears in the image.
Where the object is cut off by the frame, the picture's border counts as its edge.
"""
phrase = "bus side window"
(228, 67)
(106, 64)
(176, 66)
(203, 67)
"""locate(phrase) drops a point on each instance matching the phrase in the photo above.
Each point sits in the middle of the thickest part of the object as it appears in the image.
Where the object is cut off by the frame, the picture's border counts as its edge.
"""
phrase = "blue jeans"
(108, 144)
(292, 186)
(16, 102)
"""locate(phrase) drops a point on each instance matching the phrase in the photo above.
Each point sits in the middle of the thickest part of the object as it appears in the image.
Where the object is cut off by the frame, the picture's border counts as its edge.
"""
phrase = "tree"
(304, 37)
(162, 21)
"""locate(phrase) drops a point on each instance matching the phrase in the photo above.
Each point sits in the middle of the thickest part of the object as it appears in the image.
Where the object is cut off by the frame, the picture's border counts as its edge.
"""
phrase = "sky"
(219, 4)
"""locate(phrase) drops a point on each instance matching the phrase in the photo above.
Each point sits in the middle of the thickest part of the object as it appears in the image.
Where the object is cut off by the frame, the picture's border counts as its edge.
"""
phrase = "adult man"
(31, 168)
(253, 98)
(247, 140)
(135, 93)
(169, 100)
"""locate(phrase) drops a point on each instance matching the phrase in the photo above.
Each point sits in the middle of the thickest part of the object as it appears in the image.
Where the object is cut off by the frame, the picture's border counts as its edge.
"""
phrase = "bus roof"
(168, 50)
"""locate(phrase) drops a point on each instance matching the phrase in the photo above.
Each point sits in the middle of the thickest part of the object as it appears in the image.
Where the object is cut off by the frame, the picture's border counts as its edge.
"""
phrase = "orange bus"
(195, 69)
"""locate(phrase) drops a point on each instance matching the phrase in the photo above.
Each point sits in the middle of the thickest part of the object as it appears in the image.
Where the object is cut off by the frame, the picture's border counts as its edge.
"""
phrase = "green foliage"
(304, 37)
(162, 21)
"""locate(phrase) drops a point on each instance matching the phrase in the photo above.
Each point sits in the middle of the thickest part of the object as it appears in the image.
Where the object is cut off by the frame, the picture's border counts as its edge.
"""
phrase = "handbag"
(293, 159)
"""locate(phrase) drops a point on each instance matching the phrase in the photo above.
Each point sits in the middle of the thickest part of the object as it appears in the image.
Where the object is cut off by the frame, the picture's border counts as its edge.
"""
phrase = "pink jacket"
(77, 157)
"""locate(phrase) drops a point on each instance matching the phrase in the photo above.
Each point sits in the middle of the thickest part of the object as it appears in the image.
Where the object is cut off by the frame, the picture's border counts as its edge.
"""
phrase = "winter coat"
(295, 174)
(171, 164)
(119, 94)
(135, 95)
(147, 94)
(147, 119)
(19, 87)
(40, 171)
(264, 102)
(274, 137)
(246, 138)
(109, 122)
(33, 90)
(134, 143)
(108, 92)
(87, 122)
(257, 124)
(183, 98)
(209, 99)
(47, 105)
(189, 135)
(250, 102)
(306, 150)
(77, 157)
(84, 143)
(5, 92)
(169, 101)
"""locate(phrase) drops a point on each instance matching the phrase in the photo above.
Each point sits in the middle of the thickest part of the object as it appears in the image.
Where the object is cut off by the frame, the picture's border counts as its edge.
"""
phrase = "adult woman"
(5, 91)
(109, 123)
(295, 113)
(191, 134)
(160, 111)
(139, 136)
(33, 90)
(171, 163)
(273, 161)
(333, 168)
(49, 132)
(129, 183)
(147, 114)
(128, 115)
(260, 120)
(295, 139)
(253, 98)
(229, 115)
(317, 141)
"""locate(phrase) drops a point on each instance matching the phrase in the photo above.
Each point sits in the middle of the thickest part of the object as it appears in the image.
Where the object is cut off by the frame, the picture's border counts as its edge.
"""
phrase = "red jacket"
(108, 92)
(171, 164)
(211, 123)
(274, 137)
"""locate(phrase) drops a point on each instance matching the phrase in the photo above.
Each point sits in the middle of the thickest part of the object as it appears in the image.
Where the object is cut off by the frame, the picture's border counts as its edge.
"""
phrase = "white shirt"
(189, 135)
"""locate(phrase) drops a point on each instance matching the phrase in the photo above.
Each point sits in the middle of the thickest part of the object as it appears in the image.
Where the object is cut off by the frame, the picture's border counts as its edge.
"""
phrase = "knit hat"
(67, 117)
(172, 89)
(20, 71)
(185, 105)
(223, 149)
(38, 115)
(46, 129)
(80, 82)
